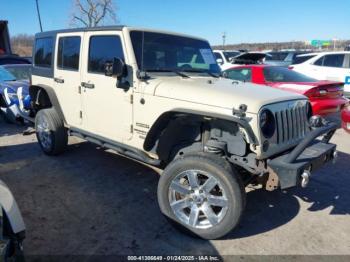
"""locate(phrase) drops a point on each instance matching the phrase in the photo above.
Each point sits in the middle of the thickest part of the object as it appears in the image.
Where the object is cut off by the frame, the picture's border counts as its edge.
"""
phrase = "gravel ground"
(89, 201)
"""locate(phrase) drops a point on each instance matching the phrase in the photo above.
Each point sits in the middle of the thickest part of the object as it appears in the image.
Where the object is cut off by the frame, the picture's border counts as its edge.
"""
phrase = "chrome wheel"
(198, 199)
(44, 133)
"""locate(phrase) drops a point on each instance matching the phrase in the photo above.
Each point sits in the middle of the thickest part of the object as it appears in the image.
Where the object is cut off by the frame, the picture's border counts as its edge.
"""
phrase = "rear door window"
(103, 49)
(43, 52)
(336, 60)
(69, 53)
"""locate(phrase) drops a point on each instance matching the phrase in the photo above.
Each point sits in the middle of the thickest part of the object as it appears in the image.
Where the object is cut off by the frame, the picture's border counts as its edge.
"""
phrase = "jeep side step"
(115, 146)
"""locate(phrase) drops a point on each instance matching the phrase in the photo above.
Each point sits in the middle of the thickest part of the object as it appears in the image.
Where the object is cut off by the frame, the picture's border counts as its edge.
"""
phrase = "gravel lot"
(91, 201)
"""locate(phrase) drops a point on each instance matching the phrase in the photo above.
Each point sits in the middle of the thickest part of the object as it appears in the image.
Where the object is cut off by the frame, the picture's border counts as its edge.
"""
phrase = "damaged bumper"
(295, 167)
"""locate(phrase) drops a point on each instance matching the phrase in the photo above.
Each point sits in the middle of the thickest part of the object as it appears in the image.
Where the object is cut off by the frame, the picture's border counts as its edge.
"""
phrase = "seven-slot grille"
(292, 124)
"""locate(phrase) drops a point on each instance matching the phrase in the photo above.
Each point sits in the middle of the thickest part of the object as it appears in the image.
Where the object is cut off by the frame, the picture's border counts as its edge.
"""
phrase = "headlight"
(309, 112)
(267, 123)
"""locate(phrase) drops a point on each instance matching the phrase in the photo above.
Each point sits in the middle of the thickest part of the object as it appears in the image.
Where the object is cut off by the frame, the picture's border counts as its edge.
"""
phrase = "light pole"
(223, 40)
(37, 9)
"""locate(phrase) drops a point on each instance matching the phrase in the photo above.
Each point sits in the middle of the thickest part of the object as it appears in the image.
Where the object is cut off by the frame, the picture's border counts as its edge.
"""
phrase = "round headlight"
(309, 112)
(267, 123)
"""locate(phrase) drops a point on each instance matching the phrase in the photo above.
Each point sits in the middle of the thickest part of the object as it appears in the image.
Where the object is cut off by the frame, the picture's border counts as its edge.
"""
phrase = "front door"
(67, 76)
(107, 109)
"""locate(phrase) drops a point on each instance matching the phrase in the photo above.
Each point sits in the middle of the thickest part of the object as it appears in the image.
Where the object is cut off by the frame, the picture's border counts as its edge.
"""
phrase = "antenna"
(37, 9)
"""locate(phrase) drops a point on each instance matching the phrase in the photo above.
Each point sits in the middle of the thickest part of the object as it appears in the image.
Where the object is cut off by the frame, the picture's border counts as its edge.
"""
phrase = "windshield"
(157, 52)
(6, 75)
(229, 55)
(20, 72)
(282, 74)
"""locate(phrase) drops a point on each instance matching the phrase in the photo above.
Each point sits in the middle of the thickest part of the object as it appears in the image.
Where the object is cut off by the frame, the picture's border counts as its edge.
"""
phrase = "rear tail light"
(325, 92)
(291, 67)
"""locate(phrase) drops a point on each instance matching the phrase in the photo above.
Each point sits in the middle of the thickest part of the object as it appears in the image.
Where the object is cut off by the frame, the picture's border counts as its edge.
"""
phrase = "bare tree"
(91, 13)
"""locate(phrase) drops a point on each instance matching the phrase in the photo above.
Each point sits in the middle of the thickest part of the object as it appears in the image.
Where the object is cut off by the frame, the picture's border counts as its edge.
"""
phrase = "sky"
(244, 21)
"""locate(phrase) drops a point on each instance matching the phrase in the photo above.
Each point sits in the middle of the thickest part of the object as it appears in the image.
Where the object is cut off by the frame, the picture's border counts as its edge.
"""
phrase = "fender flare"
(161, 123)
(34, 92)
(10, 207)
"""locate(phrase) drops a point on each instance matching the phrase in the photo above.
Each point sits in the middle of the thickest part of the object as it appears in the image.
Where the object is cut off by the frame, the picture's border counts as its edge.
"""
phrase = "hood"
(220, 92)
(248, 58)
(14, 85)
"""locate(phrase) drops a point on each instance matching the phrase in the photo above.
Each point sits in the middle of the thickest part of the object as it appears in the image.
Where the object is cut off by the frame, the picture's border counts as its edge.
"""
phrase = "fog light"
(305, 178)
(335, 157)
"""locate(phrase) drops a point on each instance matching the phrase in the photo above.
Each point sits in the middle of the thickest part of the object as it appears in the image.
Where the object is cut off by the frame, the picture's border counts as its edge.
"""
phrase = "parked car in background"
(347, 48)
(345, 116)
(282, 58)
(12, 228)
(224, 57)
(333, 66)
(326, 97)
(15, 101)
(19, 71)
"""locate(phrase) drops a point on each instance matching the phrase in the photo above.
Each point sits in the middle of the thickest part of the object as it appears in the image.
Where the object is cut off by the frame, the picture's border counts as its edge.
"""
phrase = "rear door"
(67, 75)
(107, 109)
(332, 67)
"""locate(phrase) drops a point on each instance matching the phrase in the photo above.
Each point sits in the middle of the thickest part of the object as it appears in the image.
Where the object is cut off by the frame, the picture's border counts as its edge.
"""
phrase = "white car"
(333, 66)
(224, 57)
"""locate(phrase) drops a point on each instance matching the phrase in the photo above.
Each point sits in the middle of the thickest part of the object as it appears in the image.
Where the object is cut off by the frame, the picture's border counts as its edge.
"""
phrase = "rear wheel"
(202, 194)
(51, 132)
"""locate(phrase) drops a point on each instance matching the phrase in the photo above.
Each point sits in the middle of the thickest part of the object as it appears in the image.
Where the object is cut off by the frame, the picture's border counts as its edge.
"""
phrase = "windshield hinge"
(131, 99)
(131, 128)
(81, 114)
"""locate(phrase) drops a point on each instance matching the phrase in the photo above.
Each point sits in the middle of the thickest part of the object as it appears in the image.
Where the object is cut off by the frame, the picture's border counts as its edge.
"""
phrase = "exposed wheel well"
(176, 133)
(40, 97)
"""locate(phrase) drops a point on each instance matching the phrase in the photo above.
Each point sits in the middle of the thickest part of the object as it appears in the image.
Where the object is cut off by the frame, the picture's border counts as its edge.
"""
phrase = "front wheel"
(202, 194)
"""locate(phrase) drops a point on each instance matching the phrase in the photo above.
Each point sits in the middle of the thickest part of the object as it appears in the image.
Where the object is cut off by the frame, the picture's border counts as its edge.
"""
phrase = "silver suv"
(157, 97)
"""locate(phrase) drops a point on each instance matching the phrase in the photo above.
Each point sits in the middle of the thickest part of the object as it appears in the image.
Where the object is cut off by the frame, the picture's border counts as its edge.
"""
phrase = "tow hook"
(335, 157)
(305, 178)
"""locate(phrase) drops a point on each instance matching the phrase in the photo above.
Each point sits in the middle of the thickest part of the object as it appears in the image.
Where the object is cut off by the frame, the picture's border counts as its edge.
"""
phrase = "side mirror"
(115, 69)
(219, 61)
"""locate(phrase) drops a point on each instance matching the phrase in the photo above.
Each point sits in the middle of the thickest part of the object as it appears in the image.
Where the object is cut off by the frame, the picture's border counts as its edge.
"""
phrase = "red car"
(326, 97)
(345, 116)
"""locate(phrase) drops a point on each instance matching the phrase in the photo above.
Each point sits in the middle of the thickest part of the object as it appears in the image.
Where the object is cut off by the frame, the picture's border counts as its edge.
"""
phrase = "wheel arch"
(162, 123)
(44, 96)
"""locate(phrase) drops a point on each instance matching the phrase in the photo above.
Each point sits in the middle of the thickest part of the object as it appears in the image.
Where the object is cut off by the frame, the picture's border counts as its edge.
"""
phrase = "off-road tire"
(57, 132)
(223, 172)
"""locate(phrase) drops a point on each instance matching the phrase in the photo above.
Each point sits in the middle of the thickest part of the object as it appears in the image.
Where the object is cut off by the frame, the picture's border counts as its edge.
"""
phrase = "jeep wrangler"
(158, 97)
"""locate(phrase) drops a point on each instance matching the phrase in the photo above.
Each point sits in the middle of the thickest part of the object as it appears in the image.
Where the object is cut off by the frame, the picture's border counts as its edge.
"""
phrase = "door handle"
(87, 85)
(59, 80)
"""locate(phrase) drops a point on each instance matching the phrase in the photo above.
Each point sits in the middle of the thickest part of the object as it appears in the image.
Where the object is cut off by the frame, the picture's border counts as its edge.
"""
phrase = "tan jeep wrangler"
(157, 97)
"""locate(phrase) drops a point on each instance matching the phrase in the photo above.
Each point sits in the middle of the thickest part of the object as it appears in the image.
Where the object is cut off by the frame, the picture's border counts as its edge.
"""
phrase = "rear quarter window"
(43, 52)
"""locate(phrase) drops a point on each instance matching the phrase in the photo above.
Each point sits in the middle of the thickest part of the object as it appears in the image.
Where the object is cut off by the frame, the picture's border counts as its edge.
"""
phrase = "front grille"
(292, 124)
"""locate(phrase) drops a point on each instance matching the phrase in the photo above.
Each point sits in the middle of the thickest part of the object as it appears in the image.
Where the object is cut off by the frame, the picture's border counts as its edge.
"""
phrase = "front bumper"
(307, 157)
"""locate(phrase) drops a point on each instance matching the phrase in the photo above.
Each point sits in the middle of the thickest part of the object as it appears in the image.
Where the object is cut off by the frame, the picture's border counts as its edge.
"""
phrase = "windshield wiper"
(170, 70)
(202, 71)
